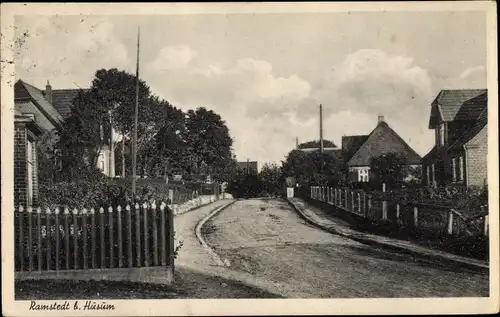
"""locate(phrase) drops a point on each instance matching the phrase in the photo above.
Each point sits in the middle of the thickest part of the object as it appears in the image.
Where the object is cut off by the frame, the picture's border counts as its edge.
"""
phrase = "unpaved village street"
(267, 239)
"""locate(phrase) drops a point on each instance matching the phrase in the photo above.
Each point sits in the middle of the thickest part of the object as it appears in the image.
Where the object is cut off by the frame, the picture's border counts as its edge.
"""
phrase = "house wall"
(21, 137)
(356, 171)
(477, 159)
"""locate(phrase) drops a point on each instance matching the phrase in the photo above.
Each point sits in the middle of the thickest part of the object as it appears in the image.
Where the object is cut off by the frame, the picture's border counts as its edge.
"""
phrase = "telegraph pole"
(134, 146)
(321, 128)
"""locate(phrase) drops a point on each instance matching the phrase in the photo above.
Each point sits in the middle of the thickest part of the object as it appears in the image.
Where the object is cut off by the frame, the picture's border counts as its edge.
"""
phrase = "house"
(459, 119)
(62, 100)
(35, 113)
(358, 150)
(249, 167)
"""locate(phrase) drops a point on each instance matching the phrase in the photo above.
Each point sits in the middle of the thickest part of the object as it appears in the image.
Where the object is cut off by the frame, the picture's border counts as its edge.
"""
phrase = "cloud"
(172, 57)
(255, 102)
(369, 83)
(59, 50)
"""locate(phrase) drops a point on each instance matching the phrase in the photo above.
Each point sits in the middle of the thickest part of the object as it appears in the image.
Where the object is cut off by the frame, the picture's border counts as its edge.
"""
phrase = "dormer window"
(441, 134)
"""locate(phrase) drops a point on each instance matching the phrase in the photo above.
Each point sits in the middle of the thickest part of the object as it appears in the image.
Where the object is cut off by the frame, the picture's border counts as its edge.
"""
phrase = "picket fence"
(137, 235)
(425, 217)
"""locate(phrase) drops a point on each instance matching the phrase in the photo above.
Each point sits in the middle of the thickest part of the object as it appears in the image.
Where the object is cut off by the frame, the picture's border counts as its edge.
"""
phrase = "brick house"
(35, 113)
(459, 156)
(358, 150)
(33, 116)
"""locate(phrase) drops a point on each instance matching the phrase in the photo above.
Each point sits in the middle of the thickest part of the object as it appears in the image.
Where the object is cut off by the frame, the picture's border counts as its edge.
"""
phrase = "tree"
(316, 144)
(313, 168)
(82, 137)
(389, 169)
(272, 179)
(208, 141)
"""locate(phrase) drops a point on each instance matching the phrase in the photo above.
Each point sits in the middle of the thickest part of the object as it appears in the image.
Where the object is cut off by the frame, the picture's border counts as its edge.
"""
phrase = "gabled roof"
(383, 140)
(23, 91)
(351, 144)
(457, 104)
(62, 99)
(482, 121)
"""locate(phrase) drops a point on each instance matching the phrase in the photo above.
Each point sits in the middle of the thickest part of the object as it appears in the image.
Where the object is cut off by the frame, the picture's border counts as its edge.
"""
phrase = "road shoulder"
(311, 215)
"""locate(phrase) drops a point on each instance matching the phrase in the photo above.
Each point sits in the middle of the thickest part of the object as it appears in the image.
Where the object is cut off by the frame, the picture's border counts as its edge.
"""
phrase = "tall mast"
(321, 128)
(134, 146)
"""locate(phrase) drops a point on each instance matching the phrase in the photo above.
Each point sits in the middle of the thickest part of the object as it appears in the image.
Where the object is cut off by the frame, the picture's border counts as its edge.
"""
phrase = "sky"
(266, 74)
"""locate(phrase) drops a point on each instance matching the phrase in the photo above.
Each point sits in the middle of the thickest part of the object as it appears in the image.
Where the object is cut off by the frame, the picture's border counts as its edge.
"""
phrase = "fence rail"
(137, 235)
(439, 220)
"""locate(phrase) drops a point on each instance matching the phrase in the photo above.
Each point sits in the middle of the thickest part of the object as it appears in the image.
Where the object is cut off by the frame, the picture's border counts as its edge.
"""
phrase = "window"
(433, 169)
(58, 159)
(428, 175)
(454, 169)
(363, 175)
(441, 134)
(461, 168)
(31, 172)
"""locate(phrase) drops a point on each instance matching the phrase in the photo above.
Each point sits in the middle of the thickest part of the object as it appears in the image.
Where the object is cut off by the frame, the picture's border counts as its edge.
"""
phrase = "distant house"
(358, 150)
(459, 156)
(35, 113)
(249, 167)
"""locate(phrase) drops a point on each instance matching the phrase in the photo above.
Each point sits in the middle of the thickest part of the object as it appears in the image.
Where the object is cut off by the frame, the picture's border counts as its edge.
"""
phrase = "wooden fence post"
(368, 213)
(48, 225)
(397, 213)
(84, 247)
(146, 232)
(30, 239)
(92, 238)
(311, 190)
(138, 234)
(58, 234)
(415, 216)
(352, 201)
(486, 224)
(21, 238)
(450, 222)
(130, 261)
(359, 203)
(346, 199)
(102, 245)
(111, 238)
(39, 236)
(75, 238)
(155, 234)
(66, 236)
(384, 209)
(120, 235)
(163, 235)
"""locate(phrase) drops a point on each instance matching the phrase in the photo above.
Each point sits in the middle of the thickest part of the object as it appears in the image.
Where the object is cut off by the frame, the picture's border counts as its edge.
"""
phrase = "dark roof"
(351, 143)
(458, 104)
(24, 90)
(433, 153)
(252, 165)
(383, 140)
(62, 99)
(472, 132)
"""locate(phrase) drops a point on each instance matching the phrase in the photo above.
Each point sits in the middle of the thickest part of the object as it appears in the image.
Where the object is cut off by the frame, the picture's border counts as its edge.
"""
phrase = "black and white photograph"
(320, 158)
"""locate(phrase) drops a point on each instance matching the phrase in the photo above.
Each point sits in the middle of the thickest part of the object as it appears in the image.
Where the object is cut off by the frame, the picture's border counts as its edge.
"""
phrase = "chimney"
(297, 143)
(321, 128)
(381, 119)
(48, 92)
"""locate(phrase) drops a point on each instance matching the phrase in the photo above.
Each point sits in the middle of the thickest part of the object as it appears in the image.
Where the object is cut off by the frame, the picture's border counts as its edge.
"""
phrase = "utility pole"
(111, 147)
(134, 146)
(321, 128)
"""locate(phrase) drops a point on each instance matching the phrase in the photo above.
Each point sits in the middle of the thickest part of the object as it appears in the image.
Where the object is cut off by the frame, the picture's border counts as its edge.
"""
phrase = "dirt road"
(266, 238)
